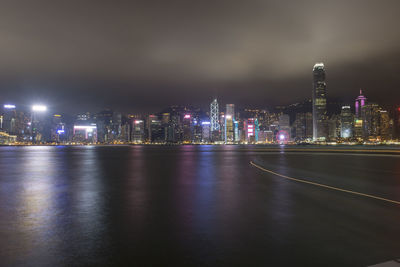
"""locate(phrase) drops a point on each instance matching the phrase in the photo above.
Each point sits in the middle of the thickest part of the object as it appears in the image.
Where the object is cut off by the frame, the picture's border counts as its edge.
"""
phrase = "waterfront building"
(154, 129)
(197, 130)
(214, 116)
(125, 132)
(358, 129)
(385, 126)
(236, 131)
(103, 121)
(301, 125)
(346, 122)
(334, 127)
(361, 100)
(187, 125)
(251, 129)
(319, 103)
(370, 114)
(284, 123)
(8, 120)
(138, 133)
(229, 123)
(58, 129)
(85, 133)
(206, 131)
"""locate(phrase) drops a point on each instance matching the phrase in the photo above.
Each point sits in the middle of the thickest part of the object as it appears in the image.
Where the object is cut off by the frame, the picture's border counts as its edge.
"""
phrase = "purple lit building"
(360, 102)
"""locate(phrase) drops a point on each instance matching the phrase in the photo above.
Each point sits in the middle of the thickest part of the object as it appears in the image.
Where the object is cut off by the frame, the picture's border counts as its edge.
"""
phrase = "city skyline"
(309, 121)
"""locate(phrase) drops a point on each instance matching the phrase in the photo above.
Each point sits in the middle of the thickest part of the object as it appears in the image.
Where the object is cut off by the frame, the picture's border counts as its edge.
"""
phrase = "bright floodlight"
(9, 106)
(39, 108)
(282, 137)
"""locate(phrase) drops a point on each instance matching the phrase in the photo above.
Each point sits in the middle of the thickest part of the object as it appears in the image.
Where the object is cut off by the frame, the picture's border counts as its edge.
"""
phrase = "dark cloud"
(140, 55)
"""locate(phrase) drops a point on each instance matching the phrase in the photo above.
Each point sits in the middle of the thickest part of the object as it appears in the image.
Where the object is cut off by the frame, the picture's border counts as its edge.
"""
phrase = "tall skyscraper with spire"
(319, 102)
(360, 102)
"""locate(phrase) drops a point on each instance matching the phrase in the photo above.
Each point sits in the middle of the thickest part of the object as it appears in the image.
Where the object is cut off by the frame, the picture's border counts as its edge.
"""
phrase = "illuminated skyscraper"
(385, 126)
(205, 136)
(214, 114)
(346, 122)
(360, 102)
(138, 135)
(154, 129)
(187, 124)
(251, 129)
(229, 123)
(9, 119)
(370, 114)
(319, 103)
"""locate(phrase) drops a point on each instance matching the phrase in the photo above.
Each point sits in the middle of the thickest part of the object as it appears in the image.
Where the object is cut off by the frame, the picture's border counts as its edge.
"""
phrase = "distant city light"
(187, 116)
(84, 127)
(282, 137)
(39, 108)
(60, 131)
(229, 117)
(138, 121)
(9, 106)
(205, 123)
(57, 115)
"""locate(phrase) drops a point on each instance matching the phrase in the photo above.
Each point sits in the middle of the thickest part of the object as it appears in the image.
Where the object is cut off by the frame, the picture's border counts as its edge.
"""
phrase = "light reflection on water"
(187, 205)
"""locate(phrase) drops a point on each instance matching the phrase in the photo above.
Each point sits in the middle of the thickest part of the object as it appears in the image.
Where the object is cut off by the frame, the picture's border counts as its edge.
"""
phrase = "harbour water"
(195, 206)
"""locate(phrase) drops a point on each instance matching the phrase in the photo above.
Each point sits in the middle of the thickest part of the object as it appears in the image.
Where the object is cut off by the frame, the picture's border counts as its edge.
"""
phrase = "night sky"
(141, 56)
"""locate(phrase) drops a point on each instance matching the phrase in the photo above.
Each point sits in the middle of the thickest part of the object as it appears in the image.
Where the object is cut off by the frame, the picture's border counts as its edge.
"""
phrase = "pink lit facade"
(360, 102)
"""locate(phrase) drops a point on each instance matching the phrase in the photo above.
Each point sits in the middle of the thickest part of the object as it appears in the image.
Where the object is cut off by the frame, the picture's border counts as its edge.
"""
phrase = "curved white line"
(325, 186)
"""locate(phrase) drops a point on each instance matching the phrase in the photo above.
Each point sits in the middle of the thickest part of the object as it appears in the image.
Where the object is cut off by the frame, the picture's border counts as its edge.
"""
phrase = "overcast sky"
(144, 55)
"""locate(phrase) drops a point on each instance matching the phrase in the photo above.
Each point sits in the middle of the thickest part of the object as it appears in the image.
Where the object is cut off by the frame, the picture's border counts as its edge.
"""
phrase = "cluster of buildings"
(310, 121)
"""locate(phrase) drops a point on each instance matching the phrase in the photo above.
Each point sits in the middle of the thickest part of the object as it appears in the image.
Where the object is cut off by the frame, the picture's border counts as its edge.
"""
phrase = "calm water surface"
(194, 205)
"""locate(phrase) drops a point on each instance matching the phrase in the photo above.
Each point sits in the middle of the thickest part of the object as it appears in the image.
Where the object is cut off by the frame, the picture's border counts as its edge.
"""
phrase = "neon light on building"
(361, 100)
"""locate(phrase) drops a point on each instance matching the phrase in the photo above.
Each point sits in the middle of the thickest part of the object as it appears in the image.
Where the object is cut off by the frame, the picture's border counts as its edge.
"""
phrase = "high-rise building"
(104, 120)
(229, 123)
(360, 102)
(154, 129)
(319, 103)
(346, 122)
(370, 114)
(284, 123)
(138, 135)
(9, 118)
(333, 127)
(205, 136)
(214, 115)
(385, 126)
(302, 126)
(85, 133)
(358, 128)
(251, 129)
(187, 128)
